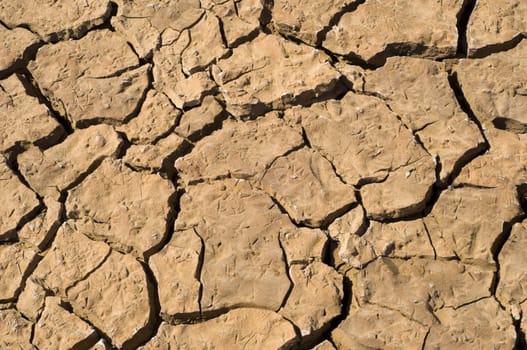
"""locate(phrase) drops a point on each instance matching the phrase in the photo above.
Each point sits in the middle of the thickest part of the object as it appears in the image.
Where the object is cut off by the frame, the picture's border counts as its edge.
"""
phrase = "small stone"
(350, 224)
(346, 231)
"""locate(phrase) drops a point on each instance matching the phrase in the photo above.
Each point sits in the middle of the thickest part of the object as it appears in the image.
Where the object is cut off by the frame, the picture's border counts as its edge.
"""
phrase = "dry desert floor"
(259, 174)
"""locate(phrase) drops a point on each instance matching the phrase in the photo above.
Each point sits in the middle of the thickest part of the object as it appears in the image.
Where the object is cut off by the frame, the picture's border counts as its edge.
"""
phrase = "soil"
(259, 174)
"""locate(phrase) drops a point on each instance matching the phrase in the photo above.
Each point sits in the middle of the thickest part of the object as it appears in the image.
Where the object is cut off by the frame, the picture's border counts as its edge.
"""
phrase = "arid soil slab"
(377, 30)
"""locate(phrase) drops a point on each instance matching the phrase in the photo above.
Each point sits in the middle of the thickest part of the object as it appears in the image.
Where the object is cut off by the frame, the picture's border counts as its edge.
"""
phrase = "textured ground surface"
(258, 174)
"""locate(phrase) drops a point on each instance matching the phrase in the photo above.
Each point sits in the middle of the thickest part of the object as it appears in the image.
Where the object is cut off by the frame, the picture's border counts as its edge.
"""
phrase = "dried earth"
(258, 174)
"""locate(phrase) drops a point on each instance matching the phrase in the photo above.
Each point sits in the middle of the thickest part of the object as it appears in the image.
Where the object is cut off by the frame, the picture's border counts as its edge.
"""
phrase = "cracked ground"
(259, 174)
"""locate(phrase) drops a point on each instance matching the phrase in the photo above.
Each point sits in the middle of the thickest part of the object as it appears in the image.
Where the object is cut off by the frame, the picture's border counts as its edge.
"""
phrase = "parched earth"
(258, 174)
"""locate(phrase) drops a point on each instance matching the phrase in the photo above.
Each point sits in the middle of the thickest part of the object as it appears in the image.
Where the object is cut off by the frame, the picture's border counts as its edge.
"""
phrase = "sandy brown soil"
(259, 174)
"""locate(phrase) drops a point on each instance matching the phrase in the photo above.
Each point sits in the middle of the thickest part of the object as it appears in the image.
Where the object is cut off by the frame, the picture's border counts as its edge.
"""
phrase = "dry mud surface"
(258, 174)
